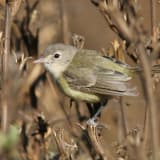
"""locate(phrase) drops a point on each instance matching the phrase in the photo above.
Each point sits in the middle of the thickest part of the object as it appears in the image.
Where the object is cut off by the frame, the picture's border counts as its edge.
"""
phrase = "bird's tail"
(154, 69)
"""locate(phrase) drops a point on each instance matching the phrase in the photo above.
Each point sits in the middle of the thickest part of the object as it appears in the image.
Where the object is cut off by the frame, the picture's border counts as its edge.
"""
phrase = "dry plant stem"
(150, 100)
(111, 14)
(146, 127)
(5, 62)
(132, 35)
(93, 135)
(61, 103)
(153, 4)
(65, 25)
(123, 119)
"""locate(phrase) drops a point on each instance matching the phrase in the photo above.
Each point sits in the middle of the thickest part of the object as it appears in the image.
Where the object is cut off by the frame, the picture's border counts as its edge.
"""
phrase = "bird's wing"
(99, 81)
(113, 84)
(80, 77)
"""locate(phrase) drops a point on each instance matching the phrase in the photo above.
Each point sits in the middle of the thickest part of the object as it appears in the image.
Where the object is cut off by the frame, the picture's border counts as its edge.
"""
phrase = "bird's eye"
(57, 55)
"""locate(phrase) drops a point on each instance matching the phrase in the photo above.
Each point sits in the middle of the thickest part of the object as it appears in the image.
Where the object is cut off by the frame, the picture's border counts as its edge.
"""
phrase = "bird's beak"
(40, 60)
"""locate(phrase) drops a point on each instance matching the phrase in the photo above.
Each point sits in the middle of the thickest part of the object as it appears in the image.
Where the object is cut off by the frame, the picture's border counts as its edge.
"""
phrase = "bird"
(86, 75)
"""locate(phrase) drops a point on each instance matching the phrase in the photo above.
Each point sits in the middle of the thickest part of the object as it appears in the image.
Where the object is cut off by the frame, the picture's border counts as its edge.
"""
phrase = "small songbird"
(86, 75)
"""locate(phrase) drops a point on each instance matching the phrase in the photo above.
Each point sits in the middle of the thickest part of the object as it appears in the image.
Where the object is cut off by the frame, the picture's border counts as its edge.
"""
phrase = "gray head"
(57, 57)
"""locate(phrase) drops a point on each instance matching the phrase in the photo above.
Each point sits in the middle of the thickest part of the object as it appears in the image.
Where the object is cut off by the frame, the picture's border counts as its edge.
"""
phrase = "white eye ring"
(57, 55)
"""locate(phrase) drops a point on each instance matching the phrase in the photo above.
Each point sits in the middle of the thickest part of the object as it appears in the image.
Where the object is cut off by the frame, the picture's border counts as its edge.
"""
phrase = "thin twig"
(123, 119)
(60, 102)
(153, 21)
(5, 62)
(65, 25)
(146, 127)
(150, 100)
(92, 130)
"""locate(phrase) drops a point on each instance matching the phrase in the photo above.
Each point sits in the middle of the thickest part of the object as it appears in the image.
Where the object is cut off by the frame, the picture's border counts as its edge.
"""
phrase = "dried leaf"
(14, 6)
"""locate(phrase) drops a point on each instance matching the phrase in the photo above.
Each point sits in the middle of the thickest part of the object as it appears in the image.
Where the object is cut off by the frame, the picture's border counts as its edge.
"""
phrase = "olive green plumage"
(85, 74)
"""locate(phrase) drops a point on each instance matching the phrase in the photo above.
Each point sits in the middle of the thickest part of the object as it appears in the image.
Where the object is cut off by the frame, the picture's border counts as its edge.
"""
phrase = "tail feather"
(156, 68)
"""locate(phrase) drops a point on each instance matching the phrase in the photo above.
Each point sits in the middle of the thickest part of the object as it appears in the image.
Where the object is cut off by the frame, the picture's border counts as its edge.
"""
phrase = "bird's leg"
(93, 119)
(98, 107)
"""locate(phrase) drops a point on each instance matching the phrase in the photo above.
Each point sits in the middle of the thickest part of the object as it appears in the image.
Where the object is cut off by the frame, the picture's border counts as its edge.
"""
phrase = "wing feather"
(102, 83)
(88, 76)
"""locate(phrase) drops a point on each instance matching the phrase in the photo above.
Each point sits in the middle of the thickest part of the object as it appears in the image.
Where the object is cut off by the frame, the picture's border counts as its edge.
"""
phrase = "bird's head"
(57, 57)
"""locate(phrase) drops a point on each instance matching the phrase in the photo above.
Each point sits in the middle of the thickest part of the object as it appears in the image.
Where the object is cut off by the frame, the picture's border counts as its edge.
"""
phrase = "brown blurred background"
(82, 18)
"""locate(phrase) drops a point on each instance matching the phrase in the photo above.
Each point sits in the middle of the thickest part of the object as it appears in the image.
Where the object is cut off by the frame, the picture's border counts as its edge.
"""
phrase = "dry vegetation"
(38, 122)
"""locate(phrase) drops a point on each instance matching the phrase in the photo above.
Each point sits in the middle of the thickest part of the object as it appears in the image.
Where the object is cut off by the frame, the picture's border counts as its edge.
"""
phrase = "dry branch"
(5, 62)
(134, 34)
